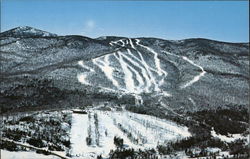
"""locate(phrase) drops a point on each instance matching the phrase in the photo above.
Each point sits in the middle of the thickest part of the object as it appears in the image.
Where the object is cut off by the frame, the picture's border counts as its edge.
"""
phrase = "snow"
(117, 42)
(128, 72)
(103, 126)
(195, 78)
(138, 99)
(129, 82)
(192, 101)
(81, 124)
(157, 60)
(123, 43)
(135, 81)
(81, 63)
(143, 68)
(78, 133)
(167, 125)
(225, 138)
(106, 68)
(24, 155)
(131, 43)
(82, 78)
(25, 29)
(138, 76)
(213, 149)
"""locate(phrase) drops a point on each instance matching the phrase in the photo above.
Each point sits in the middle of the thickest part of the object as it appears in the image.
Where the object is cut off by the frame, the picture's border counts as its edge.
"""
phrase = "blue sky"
(173, 20)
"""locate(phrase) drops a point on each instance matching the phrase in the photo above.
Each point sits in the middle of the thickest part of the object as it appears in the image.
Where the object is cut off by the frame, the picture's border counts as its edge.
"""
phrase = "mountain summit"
(26, 31)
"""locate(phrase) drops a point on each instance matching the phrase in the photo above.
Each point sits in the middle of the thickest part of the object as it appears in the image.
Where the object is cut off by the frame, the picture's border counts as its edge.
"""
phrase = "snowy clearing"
(93, 134)
(230, 138)
(24, 155)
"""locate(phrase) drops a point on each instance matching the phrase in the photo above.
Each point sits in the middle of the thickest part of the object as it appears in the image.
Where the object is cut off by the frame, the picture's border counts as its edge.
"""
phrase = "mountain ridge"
(180, 75)
(119, 37)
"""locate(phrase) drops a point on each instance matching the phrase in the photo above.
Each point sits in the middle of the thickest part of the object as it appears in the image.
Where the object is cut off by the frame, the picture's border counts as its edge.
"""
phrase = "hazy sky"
(219, 20)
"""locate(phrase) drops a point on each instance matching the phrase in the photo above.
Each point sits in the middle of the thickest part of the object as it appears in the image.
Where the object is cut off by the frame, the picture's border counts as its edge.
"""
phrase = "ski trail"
(156, 59)
(113, 130)
(91, 129)
(129, 82)
(138, 100)
(151, 77)
(110, 132)
(155, 123)
(143, 134)
(82, 78)
(148, 68)
(147, 74)
(106, 68)
(164, 93)
(123, 43)
(131, 43)
(196, 78)
(140, 60)
(126, 42)
(192, 101)
(143, 71)
(138, 76)
(84, 66)
(78, 134)
(117, 42)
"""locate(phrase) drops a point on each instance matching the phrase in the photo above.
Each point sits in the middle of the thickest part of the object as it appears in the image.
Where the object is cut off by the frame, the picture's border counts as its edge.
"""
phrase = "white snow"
(106, 68)
(143, 69)
(149, 131)
(119, 43)
(24, 155)
(129, 82)
(81, 124)
(230, 138)
(82, 78)
(78, 134)
(130, 73)
(131, 43)
(157, 60)
(145, 78)
(138, 76)
(196, 78)
(192, 101)
(81, 63)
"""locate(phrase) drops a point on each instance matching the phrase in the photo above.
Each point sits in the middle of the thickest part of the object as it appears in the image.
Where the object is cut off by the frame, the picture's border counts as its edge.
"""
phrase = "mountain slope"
(190, 74)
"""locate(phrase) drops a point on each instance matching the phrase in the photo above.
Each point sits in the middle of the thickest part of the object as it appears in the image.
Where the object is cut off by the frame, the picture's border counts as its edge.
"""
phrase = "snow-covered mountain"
(43, 69)
(26, 31)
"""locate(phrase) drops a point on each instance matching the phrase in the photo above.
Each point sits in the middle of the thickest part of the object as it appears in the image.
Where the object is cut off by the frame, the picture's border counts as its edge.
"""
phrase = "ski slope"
(137, 131)
(134, 68)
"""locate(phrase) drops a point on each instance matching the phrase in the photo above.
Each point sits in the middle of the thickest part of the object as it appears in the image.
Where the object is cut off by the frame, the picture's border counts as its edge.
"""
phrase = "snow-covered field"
(137, 131)
(25, 155)
(87, 134)
(230, 138)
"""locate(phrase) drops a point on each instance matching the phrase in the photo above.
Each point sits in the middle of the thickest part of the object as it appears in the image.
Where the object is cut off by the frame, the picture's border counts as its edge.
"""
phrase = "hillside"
(43, 70)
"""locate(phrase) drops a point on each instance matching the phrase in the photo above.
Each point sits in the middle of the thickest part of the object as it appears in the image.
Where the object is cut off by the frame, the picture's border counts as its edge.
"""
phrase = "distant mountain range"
(44, 70)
